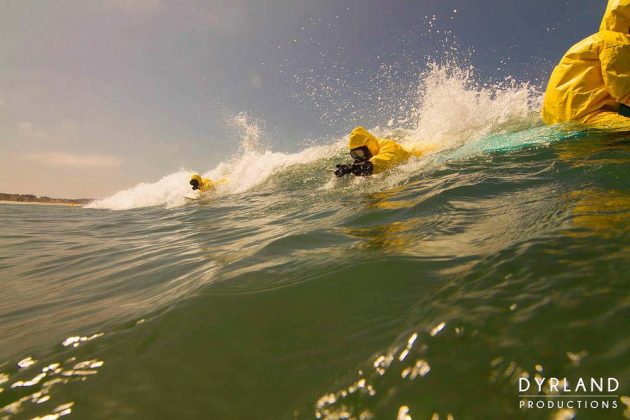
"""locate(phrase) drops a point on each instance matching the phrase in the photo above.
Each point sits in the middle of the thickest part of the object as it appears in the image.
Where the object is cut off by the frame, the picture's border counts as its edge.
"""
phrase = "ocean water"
(425, 291)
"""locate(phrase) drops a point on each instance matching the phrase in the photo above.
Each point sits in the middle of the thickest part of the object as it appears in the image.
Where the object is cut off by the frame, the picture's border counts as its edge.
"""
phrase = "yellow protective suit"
(385, 153)
(593, 77)
(206, 184)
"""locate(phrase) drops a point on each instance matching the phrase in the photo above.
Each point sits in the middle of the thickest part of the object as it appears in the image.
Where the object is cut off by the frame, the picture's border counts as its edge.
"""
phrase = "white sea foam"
(452, 110)
(455, 109)
(166, 191)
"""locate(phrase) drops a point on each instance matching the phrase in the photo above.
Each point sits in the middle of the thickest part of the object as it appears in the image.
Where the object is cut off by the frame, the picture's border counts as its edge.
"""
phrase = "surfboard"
(192, 197)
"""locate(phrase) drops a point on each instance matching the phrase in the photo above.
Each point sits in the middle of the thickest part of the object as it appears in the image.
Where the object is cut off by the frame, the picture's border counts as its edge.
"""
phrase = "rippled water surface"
(425, 292)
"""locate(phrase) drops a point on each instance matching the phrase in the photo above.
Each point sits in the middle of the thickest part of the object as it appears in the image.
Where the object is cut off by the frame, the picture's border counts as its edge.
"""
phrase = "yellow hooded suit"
(385, 153)
(593, 77)
(205, 184)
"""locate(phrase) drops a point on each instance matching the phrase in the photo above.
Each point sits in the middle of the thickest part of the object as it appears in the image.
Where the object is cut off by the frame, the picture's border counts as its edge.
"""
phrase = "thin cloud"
(74, 161)
(30, 131)
(58, 132)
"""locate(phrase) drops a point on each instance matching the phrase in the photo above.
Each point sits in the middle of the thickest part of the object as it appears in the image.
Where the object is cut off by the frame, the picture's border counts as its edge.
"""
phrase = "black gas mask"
(361, 154)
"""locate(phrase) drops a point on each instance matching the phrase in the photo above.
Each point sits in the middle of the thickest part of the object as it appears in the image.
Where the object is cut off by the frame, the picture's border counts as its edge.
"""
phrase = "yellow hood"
(361, 137)
(617, 17)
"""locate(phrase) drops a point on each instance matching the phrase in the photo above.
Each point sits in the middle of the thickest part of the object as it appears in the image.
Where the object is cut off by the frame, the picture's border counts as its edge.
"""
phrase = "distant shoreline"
(33, 199)
(37, 203)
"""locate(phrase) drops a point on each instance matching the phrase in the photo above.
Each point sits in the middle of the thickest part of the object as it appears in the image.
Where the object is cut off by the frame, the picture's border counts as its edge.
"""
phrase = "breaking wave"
(452, 110)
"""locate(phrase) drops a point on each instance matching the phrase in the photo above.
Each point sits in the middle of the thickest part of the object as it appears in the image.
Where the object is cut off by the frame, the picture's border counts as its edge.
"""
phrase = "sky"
(98, 96)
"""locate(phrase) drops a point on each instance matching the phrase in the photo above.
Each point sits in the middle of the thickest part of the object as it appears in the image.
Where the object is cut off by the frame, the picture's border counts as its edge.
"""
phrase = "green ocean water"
(306, 297)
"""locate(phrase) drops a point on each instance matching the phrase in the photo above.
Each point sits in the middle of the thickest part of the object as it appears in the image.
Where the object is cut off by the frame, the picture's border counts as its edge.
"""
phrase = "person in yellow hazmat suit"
(373, 155)
(204, 184)
(591, 85)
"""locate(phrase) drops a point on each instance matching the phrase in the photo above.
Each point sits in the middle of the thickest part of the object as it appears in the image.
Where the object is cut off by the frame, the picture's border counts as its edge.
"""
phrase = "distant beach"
(41, 200)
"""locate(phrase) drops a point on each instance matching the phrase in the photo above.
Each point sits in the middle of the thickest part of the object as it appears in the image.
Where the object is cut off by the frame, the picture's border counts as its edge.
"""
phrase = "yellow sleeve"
(389, 155)
(615, 61)
(382, 161)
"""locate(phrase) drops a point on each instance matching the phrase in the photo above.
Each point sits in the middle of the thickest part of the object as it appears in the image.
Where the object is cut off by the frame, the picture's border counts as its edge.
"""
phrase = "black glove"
(343, 170)
(363, 168)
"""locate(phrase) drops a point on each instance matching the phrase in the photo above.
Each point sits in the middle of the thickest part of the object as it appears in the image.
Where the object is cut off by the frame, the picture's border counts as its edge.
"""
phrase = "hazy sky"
(97, 96)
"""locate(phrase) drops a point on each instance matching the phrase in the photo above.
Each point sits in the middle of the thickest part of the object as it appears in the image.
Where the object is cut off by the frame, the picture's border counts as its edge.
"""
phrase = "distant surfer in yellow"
(591, 85)
(204, 184)
(373, 155)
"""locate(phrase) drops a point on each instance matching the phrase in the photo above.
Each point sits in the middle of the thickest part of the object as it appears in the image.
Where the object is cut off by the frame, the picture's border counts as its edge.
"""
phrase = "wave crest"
(452, 110)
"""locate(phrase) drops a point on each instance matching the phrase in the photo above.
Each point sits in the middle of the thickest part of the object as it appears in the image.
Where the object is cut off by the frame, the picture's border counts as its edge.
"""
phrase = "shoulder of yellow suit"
(207, 185)
(617, 17)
